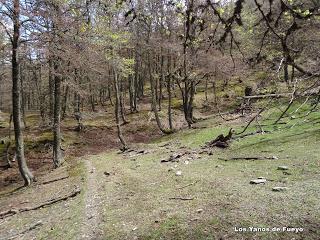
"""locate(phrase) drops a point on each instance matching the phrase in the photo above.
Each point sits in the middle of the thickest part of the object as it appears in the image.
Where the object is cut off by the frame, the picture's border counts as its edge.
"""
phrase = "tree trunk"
(169, 102)
(117, 110)
(65, 102)
(122, 107)
(22, 99)
(206, 89)
(51, 89)
(57, 155)
(154, 100)
(109, 95)
(16, 108)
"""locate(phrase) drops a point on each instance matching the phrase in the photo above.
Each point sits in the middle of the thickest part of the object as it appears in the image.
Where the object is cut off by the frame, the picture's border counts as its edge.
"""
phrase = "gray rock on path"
(260, 180)
(283, 168)
(279, 189)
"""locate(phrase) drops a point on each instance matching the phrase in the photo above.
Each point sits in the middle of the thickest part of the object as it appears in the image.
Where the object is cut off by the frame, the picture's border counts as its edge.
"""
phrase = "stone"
(258, 181)
(200, 210)
(283, 168)
(279, 189)
(178, 173)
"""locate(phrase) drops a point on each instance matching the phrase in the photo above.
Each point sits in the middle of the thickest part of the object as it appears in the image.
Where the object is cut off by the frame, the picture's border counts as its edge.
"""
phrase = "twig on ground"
(188, 185)
(182, 198)
(13, 211)
(55, 180)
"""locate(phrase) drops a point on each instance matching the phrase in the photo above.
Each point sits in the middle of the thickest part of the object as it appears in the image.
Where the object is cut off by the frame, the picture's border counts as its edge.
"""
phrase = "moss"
(177, 103)
(260, 76)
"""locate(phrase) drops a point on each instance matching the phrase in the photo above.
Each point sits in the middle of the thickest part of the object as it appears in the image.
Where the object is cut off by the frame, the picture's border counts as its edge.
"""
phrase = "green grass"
(135, 198)
(137, 193)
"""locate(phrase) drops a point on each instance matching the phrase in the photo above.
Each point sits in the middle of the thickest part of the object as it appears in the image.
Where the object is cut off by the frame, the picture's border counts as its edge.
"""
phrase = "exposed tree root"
(13, 211)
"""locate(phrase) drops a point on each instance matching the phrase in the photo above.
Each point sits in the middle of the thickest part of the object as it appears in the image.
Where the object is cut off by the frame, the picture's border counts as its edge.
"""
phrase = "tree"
(14, 14)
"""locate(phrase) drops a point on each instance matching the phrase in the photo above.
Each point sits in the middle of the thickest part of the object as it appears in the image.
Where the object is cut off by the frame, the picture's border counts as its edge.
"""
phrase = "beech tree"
(12, 13)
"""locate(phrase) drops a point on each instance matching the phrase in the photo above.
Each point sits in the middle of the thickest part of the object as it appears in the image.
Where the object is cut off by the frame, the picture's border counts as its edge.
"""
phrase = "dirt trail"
(91, 226)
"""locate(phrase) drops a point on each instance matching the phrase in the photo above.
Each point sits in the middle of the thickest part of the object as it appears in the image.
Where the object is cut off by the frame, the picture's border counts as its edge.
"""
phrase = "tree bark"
(154, 100)
(117, 110)
(57, 155)
(16, 103)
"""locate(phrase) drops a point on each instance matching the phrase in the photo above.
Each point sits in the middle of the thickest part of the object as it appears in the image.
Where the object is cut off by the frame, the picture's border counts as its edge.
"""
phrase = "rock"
(186, 162)
(200, 210)
(283, 168)
(275, 157)
(178, 173)
(107, 173)
(258, 181)
(279, 189)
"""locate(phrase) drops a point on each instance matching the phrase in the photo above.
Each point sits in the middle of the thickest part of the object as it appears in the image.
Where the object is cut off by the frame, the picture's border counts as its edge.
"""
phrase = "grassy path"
(91, 226)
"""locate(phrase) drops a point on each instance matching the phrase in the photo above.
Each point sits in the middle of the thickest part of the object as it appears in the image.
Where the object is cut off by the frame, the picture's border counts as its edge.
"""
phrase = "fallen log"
(14, 211)
(182, 198)
(249, 158)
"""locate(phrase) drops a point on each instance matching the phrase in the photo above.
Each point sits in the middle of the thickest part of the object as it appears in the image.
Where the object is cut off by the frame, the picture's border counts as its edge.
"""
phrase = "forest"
(159, 119)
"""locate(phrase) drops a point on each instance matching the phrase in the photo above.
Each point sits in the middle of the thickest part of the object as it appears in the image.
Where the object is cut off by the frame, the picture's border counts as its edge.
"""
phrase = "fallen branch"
(252, 133)
(13, 211)
(188, 185)
(252, 119)
(30, 228)
(181, 198)
(221, 141)
(266, 96)
(55, 180)
(249, 158)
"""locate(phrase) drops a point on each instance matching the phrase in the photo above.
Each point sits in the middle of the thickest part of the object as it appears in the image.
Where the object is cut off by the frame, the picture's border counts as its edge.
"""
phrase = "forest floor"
(201, 193)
